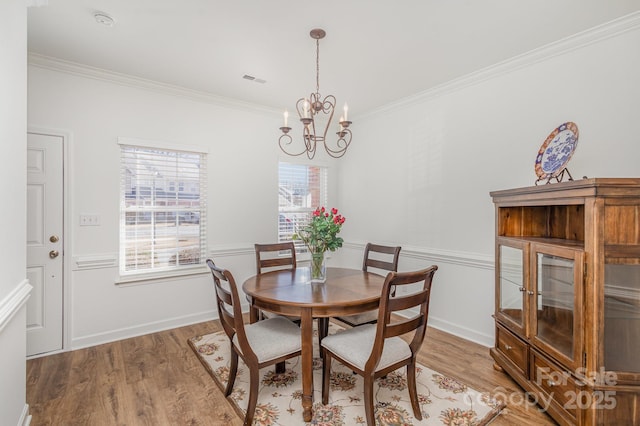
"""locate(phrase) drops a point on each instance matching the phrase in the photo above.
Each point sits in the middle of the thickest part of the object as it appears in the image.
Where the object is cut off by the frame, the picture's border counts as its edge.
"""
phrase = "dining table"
(291, 292)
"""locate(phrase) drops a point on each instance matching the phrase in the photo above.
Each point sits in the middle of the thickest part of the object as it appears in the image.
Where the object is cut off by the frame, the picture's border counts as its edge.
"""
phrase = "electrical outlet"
(89, 220)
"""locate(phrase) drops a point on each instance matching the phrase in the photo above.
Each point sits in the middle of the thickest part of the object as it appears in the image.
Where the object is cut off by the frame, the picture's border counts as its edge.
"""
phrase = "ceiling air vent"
(252, 78)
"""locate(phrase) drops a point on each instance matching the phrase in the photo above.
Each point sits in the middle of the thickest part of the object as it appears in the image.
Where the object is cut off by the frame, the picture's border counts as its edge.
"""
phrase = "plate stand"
(559, 177)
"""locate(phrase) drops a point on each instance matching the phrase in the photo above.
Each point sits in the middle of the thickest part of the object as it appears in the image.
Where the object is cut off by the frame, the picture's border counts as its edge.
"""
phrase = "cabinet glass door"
(558, 278)
(622, 318)
(511, 286)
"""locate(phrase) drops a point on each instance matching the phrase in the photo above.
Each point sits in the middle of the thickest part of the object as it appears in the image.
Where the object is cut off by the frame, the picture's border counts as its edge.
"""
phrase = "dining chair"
(260, 344)
(374, 350)
(376, 256)
(274, 256)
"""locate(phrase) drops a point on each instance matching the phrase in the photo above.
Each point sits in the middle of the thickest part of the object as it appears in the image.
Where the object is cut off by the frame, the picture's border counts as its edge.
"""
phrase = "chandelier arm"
(285, 140)
(309, 141)
(329, 105)
(342, 144)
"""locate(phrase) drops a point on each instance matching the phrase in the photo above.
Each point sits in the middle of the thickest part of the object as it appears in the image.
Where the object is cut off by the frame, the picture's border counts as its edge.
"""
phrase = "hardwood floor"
(157, 380)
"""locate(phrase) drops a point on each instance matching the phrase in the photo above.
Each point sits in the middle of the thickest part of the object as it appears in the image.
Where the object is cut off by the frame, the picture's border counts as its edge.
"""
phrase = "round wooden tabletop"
(345, 292)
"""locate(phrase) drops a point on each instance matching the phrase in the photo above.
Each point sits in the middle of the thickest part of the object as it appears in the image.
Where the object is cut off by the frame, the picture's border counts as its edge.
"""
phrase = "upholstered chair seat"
(354, 345)
(271, 338)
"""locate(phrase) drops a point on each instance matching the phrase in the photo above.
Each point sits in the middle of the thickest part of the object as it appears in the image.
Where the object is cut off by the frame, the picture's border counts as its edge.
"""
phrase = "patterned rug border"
(488, 418)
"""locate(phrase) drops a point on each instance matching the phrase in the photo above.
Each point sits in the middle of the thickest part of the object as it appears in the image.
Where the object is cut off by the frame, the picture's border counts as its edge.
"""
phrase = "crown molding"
(571, 43)
(86, 71)
(563, 46)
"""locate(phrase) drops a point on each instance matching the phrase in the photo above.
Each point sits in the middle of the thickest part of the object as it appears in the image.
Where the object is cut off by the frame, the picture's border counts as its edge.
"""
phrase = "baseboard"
(462, 332)
(140, 330)
(25, 417)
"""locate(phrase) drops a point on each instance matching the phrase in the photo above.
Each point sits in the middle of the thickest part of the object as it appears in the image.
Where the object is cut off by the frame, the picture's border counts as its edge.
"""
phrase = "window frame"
(323, 187)
(127, 276)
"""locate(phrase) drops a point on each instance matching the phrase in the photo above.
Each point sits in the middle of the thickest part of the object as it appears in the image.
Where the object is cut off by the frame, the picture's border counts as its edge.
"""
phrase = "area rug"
(443, 400)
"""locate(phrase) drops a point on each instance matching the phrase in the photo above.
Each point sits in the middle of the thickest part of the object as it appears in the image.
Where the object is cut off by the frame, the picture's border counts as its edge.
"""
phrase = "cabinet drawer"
(556, 383)
(513, 348)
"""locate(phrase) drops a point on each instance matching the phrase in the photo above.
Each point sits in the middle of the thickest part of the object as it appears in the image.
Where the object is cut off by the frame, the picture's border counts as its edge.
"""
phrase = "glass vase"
(318, 269)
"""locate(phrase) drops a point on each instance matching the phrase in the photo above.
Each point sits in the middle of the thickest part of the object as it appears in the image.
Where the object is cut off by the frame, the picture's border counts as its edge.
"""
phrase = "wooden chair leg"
(323, 331)
(281, 367)
(254, 375)
(413, 393)
(233, 370)
(326, 375)
(368, 399)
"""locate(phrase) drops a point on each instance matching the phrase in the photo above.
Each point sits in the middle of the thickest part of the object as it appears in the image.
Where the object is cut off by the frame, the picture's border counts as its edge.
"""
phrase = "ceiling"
(375, 52)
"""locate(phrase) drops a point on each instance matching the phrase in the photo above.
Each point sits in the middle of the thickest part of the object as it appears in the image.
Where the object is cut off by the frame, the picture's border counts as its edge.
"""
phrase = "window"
(161, 229)
(301, 188)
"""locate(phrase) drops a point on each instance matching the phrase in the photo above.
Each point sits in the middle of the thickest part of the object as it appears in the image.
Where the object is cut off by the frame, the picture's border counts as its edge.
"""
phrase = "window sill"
(163, 275)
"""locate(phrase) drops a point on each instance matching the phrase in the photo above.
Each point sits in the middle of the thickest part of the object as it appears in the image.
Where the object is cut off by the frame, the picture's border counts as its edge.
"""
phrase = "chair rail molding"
(245, 249)
(95, 261)
(13, 302)
(472, 260)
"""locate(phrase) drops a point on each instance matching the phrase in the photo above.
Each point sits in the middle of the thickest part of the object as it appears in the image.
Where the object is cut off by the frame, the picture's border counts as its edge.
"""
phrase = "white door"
(44, 242)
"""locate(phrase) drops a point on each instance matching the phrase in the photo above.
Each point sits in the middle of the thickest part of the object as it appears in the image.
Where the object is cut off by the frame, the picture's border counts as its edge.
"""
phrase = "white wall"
(430, 162)
(14, 289)
(418, 174)
(243, 177)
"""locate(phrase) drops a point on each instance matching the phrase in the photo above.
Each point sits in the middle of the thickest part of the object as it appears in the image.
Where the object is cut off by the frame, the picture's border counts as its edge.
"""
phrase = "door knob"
(53, 254)
(54, 239)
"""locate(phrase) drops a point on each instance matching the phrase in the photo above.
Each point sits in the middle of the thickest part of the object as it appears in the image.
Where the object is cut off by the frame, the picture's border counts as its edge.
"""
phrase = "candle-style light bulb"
(286, 116)
(346, 109)
(305, 109)
(340, 128)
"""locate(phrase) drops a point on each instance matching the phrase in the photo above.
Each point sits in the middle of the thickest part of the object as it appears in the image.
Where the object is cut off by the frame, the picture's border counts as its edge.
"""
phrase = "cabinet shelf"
(556, 242)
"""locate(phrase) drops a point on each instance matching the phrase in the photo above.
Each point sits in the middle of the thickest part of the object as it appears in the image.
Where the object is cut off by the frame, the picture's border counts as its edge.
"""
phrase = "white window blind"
(162, 209)
(302, 188)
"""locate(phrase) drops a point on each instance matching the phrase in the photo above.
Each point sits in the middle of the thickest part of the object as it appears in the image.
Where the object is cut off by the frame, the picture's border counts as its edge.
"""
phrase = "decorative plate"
(556, 151)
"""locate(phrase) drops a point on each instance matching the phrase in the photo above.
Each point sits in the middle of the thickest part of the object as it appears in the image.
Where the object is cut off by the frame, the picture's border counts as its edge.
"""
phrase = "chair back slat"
(400, 303)
(403, 327)
(276, 255)
(223, 294)
(381, 257)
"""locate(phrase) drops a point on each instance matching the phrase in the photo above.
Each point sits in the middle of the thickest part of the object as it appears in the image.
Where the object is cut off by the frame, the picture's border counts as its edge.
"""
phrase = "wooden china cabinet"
(567, 308)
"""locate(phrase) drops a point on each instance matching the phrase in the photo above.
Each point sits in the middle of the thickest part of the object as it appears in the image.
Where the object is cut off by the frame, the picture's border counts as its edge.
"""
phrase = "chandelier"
(309, 110)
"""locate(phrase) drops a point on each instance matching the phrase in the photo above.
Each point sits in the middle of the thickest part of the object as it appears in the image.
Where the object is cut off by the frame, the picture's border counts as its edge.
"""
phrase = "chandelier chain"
(317, 66)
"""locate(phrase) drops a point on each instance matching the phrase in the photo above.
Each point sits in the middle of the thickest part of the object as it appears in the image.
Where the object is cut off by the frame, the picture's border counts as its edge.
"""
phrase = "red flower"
(321, 233)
